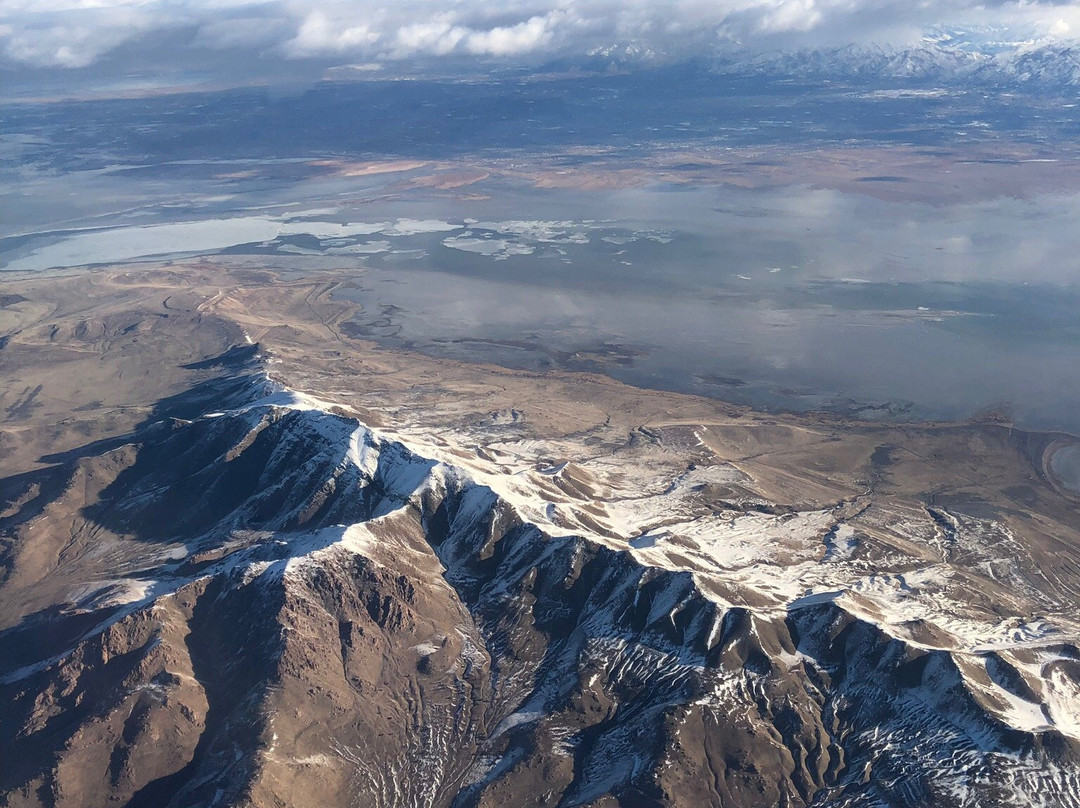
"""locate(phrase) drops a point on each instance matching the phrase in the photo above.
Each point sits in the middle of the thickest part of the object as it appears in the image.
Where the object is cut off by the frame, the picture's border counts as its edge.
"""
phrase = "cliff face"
(268, 603)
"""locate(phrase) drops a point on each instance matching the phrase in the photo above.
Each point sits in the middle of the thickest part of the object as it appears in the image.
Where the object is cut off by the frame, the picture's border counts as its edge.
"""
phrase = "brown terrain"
(246, 559)
(901, 173)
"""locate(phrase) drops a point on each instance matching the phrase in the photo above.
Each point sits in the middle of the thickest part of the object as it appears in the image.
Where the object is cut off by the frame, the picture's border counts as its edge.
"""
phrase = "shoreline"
(219, 264)
(151, 275)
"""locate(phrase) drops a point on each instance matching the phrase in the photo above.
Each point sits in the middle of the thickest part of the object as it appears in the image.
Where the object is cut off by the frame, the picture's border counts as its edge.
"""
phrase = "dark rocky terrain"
(254, 597)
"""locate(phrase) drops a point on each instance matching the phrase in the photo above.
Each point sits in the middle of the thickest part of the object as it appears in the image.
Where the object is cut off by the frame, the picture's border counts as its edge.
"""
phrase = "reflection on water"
(780, 352)
(796, 298)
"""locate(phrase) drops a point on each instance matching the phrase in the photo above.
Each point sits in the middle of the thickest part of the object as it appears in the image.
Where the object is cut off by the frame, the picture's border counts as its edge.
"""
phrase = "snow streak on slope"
(436, 620)
(771, 563)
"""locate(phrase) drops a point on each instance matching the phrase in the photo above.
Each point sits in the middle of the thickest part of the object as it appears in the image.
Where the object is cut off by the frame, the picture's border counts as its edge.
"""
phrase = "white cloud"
(67, 35)
(438, 37)
(512, 39)
(791, 15)
(319, 35)
(75, 33)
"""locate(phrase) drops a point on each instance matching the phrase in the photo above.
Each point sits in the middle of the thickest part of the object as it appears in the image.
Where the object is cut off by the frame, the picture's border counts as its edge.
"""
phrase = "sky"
(243, 39)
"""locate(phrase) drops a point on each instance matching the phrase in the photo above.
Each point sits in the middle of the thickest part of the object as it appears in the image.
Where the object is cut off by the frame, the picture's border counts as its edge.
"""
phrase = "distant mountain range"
(1049, 65)
(967, 57)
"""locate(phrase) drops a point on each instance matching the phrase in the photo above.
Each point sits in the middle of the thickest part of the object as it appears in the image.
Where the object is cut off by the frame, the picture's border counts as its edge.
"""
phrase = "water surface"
(793, 297)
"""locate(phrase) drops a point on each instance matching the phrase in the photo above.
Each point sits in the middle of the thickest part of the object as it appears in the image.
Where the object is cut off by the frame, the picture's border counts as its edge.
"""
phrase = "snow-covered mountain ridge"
(1046, 65)
(954, 59)
(294, 603)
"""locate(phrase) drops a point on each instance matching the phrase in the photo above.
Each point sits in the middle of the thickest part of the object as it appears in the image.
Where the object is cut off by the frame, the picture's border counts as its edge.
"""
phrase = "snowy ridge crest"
(773, 566)
(449, 613)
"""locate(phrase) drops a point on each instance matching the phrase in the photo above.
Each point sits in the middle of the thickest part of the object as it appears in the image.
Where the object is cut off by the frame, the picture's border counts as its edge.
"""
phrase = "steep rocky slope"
(464, 586)
(270, 603)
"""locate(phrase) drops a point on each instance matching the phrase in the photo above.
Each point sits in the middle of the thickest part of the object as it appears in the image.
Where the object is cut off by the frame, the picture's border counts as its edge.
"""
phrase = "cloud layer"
(77, 33)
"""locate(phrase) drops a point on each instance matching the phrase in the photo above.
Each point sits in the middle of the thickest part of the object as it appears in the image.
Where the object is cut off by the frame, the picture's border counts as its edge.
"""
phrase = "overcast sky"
(249, 37)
